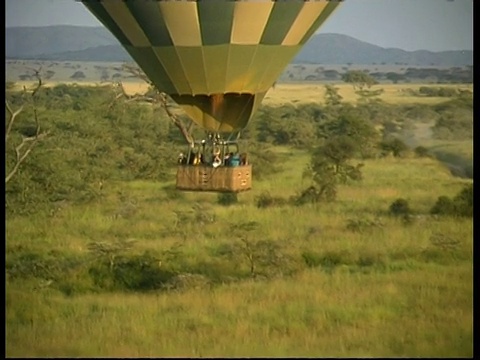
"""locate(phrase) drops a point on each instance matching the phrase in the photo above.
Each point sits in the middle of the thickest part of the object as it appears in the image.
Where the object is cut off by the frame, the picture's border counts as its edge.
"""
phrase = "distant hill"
(29, 42)
(342, 49)
(77, 43)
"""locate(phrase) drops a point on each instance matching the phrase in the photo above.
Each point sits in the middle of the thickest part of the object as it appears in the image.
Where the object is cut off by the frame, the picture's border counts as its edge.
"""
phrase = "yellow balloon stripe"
(249, 21)
(216, 59)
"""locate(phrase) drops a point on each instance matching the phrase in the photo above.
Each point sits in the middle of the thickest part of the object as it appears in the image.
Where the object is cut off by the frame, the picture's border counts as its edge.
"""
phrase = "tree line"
(92, 137)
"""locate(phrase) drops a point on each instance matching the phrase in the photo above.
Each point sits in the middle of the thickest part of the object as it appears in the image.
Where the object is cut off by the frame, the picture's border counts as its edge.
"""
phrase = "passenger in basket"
(198, 159)
(182, 159)
(194, 158)
(228, 158)
(216, 158)
(243, 159)
(235, 160)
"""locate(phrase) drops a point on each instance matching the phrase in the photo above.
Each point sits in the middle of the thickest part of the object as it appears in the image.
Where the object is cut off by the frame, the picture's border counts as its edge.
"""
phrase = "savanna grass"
(421, 312)
(387, 290)
(333, 279)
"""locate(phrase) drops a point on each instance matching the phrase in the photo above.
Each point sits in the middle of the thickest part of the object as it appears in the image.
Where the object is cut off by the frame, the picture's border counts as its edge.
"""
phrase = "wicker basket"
(220, 179)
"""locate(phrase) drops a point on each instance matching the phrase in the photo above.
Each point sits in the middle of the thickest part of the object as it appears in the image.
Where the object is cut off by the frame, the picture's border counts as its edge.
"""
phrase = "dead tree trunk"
(157, 98)
(24, 149)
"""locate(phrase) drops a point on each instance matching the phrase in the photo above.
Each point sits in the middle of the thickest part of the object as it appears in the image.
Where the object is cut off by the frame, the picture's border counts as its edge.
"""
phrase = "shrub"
(331, 259)
(312, 195)
(421, 151)
(266, 200)
(311, 259)
(78, 75)
(443, 206)
(460, 205)
(395, 146)
(137, 272)
(264, 257)
(371, 259)
(227, 199)
(400, 207)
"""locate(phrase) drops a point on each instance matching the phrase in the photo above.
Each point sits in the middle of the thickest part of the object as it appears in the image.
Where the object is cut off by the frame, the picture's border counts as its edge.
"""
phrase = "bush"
(312, 195)
(264, 257)
(266, 200)
(443, 206)
(400, 207)
(460, 205)
(137, 272)
(78, 75)
(421, 151)
(395, 146)
(227, 199)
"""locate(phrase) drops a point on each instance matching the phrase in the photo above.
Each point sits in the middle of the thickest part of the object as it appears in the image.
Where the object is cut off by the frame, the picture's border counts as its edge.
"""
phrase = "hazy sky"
(434, 25)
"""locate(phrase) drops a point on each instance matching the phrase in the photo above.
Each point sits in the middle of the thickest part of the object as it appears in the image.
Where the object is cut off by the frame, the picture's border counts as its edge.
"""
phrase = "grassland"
(392, 93)
(353, 280)
(296, 93)
(393, 290)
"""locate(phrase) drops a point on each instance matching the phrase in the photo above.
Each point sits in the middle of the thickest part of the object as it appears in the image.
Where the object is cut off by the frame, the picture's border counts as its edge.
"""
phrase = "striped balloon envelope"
(215, 58)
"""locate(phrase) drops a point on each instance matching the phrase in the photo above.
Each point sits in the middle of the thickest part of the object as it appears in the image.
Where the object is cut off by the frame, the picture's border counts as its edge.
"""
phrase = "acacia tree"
(24, 146)
(359, 79)
(330, 166)
(362, 82)
(351, 124)
(332, 97)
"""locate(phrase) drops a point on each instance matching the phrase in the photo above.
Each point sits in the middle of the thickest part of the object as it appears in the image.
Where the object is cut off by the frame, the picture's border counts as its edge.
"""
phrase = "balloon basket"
(220, 179)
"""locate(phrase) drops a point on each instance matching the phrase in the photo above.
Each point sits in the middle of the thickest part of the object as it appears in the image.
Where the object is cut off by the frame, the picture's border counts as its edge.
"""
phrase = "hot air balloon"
(216, 59)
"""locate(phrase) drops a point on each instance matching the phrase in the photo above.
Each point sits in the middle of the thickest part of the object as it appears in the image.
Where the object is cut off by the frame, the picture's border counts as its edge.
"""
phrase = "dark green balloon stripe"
(149, 63)
(280, 21)
(170, 61)
(215, 21)
(149, 18)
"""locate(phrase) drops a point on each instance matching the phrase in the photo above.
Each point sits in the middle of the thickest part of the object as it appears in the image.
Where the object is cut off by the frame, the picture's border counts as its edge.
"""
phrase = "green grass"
(385, 290)
(312, 315)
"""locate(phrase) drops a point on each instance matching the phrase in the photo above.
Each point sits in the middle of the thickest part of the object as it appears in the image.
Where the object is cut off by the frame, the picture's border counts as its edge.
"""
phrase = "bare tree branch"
(33, 140)
(29, 141)
(13, 115)
(176, 121)
(39, 79)
(157, 98)
(134, 70)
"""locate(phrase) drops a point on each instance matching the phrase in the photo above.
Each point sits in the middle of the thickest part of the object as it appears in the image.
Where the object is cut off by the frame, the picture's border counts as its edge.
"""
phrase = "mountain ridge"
(82, 43)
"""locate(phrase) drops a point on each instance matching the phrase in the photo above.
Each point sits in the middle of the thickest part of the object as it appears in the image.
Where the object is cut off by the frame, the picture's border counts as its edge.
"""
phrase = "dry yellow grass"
(298, 93)
(392, 93)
